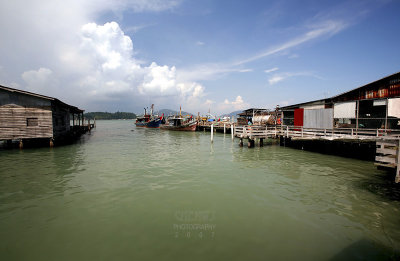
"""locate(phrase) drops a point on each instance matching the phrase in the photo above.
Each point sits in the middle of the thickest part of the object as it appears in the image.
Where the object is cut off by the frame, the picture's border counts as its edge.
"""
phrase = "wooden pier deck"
(222, 127)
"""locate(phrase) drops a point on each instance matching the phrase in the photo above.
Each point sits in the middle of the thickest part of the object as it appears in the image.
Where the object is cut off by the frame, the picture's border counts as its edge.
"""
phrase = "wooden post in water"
(212, 133)
(233, 131)
(261, 142)
(241, 142)
(224, 128)
(95, 122)
(397, 179)
(51, 143)
(250, 143)
(21, 144)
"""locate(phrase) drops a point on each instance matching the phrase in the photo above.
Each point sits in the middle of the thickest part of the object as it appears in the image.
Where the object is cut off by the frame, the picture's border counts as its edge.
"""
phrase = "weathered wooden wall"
(61, 121)
(13, 122)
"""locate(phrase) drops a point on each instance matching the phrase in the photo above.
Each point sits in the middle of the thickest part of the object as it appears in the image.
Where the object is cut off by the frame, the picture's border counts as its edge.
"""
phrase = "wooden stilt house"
(25, 115)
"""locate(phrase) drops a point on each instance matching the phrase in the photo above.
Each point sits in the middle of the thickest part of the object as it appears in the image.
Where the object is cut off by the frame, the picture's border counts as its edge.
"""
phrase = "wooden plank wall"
(61, 121)
(13, 122)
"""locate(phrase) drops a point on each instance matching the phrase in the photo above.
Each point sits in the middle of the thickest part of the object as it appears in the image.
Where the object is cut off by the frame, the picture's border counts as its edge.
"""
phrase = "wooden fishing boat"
(180, 123)
(154, 122)
(141, 121)
(149, 120)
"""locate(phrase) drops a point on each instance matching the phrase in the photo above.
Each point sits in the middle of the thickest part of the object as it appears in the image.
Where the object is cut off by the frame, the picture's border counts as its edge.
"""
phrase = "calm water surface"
(123, 193)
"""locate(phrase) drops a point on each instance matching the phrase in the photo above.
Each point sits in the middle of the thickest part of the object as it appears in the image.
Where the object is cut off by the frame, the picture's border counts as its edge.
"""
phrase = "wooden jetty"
(27, 117)
(386, 143)
(221, 127)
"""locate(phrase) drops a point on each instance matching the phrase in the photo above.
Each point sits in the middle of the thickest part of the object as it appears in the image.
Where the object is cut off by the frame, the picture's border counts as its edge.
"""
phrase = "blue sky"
(218, 55)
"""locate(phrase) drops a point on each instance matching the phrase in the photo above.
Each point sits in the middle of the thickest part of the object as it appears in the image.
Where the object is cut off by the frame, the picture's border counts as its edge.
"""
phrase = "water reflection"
(125, 184)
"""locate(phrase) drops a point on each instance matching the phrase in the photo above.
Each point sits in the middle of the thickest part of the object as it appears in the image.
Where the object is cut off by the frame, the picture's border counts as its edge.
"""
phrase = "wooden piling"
(212, 133)
(397, 179)
(241, 142)
(51, 143)
(21, 144)
(250, 143)
(224, 128)
(233, 131)
(261, 142)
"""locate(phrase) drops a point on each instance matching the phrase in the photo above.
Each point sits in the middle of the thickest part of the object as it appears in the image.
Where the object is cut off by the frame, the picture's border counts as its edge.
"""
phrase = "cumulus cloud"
(237, 104)
(82, 62)
(40, 79)
(115, 71)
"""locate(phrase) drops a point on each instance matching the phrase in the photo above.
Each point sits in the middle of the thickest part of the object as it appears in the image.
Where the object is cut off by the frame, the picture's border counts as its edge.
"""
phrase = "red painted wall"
(298, 117)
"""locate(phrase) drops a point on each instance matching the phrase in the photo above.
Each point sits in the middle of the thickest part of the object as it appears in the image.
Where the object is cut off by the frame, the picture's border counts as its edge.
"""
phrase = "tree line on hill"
(110, 115)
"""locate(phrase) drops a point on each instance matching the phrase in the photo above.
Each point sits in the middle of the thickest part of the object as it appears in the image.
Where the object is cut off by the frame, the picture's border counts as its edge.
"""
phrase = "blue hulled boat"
(149, 120)
(154, 122)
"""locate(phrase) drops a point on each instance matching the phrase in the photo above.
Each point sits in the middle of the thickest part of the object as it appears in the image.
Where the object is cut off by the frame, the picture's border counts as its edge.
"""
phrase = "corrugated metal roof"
(294, 106)
(74, 108)
(366, 85)
(326, 100)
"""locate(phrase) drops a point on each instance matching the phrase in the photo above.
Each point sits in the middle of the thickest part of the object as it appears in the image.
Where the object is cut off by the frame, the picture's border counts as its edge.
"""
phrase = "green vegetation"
(109, 115)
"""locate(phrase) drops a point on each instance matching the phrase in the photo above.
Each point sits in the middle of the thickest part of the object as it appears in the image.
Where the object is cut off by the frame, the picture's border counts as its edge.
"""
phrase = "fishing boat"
(142, 120)
(154, 122)
(149, 120)
(179, 123)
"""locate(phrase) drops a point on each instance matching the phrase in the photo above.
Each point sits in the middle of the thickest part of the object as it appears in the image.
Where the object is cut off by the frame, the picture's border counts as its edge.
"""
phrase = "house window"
(32, 122)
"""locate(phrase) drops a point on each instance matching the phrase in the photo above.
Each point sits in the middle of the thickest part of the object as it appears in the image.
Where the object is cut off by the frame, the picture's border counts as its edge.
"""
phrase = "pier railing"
(255, 131)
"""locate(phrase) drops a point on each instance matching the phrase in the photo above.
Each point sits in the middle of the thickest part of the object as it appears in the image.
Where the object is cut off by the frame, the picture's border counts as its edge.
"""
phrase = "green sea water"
(127, 193)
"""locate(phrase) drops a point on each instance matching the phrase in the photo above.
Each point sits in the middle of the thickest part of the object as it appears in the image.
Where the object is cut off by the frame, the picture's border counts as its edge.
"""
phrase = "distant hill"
(110, 115)
(168, 112)
(234, 113)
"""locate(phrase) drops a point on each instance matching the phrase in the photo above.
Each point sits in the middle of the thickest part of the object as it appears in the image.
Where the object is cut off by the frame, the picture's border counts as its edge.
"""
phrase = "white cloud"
(209, 71)
(229, 106)
(271, 70)
(283, 76)
(109, 45)
(200, 43)
(275, 79)
(41, 79)
(80, 62)
(245, 70)
(324, 28)
(137, 28)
